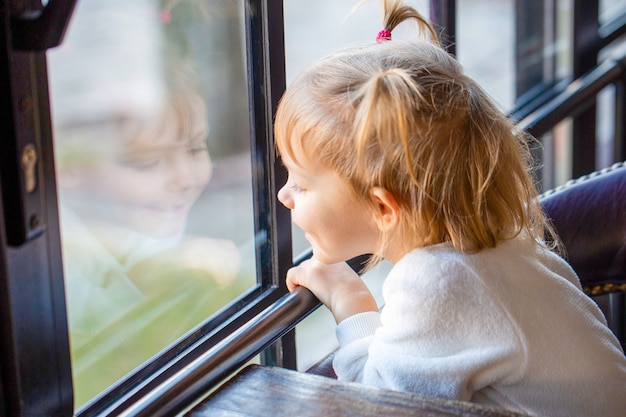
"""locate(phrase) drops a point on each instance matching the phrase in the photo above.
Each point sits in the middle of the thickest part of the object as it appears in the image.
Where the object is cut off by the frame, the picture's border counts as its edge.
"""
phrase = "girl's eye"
(198, 149)
(140, 165)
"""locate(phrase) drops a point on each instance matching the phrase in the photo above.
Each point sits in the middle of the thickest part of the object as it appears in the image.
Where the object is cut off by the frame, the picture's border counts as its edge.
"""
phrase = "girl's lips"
(177, 209)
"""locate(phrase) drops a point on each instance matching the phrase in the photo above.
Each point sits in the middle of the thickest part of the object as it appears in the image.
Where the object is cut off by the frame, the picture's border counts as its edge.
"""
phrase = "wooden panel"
(269, 391)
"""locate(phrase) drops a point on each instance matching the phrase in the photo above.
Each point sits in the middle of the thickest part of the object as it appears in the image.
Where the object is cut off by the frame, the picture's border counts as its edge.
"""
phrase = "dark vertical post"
(443, 15)
(266, 54)
(530, 40)
(586, 44)
(533, 69)
(34, 347)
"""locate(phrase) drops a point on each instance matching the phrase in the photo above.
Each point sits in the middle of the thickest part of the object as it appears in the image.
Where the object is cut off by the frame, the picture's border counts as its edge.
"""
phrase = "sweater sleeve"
(355, 335)
(357, 327)
(442, 334)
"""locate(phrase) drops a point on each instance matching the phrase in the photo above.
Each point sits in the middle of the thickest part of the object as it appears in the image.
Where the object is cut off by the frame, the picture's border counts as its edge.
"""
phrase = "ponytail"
(381, 117)
(396, 12)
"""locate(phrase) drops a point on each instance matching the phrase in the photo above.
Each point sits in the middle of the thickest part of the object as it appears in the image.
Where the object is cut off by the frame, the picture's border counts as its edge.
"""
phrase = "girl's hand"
(335, 285)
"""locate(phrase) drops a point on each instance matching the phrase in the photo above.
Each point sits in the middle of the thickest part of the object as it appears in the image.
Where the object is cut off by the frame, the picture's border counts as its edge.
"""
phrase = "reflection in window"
(150, 117)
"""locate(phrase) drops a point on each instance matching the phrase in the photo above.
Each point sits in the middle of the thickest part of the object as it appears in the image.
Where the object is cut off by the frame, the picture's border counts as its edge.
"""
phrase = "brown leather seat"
(589, 215)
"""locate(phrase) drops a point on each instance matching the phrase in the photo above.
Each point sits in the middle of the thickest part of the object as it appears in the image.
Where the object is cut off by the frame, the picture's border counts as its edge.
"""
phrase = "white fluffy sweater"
(507, 326)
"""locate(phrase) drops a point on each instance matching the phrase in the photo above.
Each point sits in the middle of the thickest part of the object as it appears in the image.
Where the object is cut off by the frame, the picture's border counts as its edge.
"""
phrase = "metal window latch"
(29, 163)
(26, 31)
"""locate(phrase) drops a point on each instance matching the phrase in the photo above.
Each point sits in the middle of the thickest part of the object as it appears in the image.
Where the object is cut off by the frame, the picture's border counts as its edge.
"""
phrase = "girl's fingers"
(291, 280)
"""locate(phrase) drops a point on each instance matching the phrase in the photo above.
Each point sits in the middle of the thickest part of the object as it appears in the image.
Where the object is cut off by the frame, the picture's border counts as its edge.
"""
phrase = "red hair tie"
(383, 35)
(165, 16)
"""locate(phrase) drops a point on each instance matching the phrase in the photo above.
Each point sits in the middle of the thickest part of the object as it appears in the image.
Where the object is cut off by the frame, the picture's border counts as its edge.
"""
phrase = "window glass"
(315, 29)
(485, 45)
(563, 42)
(150, 117)
(611, 9)
(516, 48)
(491, 32)
(503, 46)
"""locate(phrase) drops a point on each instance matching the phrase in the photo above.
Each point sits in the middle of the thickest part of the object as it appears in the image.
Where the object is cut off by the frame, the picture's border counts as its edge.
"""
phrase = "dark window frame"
(24, 333)
(24, 43)
(35, 365)
(534, 88)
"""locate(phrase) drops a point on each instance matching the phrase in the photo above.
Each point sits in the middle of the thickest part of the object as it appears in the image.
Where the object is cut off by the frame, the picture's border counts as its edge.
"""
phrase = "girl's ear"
(387, 208)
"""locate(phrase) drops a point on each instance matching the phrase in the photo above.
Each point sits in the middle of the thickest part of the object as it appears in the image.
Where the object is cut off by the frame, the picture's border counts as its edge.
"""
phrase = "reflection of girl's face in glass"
(151, 183)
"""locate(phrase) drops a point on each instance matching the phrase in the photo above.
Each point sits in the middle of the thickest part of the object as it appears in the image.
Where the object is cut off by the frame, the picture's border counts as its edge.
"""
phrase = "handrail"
(612, 30)
(230, 354)
(576, 97)
(223, 359)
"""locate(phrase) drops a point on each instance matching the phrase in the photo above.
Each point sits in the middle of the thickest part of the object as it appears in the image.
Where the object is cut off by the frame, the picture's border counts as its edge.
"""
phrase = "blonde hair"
(179, 108)
(401, 115)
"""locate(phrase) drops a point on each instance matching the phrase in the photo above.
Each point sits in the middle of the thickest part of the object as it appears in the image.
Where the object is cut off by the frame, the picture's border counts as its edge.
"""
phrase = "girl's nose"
(284, 196)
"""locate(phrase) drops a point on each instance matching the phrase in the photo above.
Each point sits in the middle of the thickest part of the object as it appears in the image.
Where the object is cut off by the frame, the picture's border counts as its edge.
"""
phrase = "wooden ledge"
(268, 391)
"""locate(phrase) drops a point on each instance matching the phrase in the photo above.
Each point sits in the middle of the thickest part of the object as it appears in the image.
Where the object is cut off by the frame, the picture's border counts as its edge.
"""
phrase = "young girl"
(392, 150)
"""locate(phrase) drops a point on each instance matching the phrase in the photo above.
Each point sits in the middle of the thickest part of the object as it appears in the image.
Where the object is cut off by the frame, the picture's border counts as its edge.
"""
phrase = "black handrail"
(443, 14)
(577, 97)
(230, 354)
(179, 391)
(612, 30)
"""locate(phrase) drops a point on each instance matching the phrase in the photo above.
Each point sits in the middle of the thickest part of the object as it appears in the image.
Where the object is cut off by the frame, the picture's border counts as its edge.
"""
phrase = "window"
(151, 135)
(165, 188)
(156, 95)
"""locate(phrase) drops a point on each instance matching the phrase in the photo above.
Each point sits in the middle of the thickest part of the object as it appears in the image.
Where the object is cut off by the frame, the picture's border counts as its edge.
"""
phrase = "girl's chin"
(164, 234)
(324, 258)
(157, 227)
